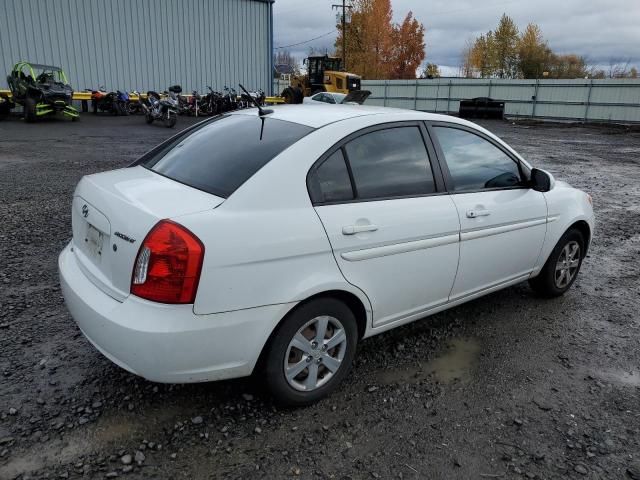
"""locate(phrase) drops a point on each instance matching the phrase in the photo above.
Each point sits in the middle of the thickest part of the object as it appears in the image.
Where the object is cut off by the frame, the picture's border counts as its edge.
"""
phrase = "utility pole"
(344, 8)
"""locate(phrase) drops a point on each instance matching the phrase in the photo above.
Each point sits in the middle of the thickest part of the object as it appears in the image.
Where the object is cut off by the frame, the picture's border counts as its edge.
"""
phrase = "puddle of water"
(455, 364)
(58, 451)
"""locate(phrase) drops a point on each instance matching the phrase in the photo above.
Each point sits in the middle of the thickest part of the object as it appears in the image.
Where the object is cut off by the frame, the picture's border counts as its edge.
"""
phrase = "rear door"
(393, 231)
(502, 220)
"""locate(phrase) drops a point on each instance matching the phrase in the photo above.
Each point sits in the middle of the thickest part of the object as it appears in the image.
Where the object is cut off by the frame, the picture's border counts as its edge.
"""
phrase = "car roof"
(317, 116)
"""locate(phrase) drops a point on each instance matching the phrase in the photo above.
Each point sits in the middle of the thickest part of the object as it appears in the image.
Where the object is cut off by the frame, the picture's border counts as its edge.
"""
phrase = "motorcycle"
(189, 105)
(166, 109)
(230, 99)
(110, 102)
(250, 98)
(135, 108)
(211, 103)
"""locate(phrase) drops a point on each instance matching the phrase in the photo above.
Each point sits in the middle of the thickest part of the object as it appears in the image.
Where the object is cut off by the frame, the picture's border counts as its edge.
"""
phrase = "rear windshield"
(220, 155)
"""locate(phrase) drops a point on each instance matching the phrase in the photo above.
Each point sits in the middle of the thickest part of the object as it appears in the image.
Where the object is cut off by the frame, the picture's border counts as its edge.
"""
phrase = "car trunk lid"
(113, 212)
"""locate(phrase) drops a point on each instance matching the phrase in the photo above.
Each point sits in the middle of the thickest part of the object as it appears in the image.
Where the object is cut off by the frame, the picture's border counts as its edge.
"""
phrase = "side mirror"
(541, 181)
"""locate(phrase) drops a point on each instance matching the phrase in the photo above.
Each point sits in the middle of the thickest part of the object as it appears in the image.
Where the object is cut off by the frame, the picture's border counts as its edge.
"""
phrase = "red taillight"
(168, 265)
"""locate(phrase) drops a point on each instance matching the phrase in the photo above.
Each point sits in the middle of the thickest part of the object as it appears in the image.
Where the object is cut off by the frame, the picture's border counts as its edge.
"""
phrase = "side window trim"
(429, 146)
(442, 162)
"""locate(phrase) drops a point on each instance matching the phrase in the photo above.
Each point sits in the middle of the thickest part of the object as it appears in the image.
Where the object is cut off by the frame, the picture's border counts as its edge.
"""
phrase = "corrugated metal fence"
(142, 44)
(614, 100)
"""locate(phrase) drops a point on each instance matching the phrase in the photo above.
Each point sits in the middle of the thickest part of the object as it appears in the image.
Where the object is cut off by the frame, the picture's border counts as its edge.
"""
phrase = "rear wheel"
(562, 266)
(311, 352)
(148, 118)
(30, 110)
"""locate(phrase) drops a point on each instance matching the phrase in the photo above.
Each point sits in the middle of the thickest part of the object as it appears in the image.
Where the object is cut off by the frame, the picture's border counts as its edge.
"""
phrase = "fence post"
(489, 92)
(386, 84)
(535, 98)
(415, 97)
(449, 98)
(586, 107)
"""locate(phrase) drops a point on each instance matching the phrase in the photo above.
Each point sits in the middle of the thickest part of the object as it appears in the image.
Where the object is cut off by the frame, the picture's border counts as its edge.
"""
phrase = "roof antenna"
(261, 111)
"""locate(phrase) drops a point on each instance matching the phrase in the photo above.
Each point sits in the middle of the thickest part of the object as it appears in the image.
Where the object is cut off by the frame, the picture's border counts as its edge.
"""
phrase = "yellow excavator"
(324, 74)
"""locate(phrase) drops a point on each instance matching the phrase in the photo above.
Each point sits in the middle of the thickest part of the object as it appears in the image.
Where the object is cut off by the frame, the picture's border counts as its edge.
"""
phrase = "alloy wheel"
(567, 264)
(315, 353)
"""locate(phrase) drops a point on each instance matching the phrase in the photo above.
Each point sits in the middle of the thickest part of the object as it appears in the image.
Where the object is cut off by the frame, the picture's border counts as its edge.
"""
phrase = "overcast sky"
(600, 30)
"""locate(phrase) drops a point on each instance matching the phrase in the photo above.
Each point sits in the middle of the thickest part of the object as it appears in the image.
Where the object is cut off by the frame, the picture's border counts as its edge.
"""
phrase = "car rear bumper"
(166, 343)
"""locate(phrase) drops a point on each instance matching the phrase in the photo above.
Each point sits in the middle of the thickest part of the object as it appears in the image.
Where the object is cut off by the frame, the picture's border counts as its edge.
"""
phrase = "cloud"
(600, 30)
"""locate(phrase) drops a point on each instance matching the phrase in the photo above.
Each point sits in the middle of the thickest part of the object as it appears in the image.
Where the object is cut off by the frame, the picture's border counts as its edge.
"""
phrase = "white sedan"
(276, 243)
(335, 98)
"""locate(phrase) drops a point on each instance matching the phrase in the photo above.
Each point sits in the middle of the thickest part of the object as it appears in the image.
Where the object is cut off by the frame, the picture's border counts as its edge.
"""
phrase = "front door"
(394, 234)
(502, 220)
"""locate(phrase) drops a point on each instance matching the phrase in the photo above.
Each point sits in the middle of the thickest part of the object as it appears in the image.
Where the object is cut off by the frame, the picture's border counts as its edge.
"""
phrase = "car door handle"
(477, 213)
(353, 229)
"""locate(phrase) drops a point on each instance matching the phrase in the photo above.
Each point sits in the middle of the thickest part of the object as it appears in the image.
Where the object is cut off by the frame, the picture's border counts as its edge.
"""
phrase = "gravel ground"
(508, 386)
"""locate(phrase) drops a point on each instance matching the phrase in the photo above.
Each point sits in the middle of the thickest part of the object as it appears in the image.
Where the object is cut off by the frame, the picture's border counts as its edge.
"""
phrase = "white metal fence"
(615, 100)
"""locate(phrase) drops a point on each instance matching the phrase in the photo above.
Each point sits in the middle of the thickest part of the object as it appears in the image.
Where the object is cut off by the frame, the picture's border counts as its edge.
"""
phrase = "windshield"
(339, 97)
(332, 64)
(219, 156)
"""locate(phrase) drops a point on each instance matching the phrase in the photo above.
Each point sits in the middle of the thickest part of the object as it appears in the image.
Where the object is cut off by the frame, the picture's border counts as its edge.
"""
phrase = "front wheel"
(311, 352)
(30, 110)
(562, 267)
(170, 119)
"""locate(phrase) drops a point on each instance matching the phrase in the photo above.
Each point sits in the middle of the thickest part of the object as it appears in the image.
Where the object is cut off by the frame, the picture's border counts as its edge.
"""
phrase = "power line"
(307, 41)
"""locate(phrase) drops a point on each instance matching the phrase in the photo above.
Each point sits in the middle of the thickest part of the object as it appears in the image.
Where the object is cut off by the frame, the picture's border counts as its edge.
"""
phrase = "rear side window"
(474, 163)
(390, 163)
(221, 155)
(330, 182)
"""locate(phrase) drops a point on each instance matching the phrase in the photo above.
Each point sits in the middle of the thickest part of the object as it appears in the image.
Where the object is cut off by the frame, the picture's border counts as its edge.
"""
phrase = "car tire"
(30, 110)
(310, 319)
(562, 266)
(171, 121)
(289, 95)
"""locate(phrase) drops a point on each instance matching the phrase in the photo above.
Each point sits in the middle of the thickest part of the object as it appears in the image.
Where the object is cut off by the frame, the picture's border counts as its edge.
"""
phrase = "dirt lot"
(507, 386)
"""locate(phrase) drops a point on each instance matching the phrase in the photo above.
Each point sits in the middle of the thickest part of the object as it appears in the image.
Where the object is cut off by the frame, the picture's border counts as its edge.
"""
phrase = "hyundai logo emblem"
(85, 211)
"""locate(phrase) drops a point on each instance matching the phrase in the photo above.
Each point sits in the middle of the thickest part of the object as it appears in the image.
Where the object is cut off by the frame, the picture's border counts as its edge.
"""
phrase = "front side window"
(474, 163)
(220, 155)
(390, 163)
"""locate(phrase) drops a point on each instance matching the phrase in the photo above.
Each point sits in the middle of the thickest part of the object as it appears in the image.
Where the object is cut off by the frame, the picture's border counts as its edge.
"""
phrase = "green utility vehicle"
(41, 90)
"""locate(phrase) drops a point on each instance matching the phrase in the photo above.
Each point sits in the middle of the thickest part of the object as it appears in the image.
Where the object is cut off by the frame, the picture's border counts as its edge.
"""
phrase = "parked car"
(354, 98)
(276, 242)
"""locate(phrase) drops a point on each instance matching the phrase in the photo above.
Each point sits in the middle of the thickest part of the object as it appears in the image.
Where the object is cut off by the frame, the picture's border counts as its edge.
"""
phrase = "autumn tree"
(533, 53)
(567, 66)
(431, 70)
(483, 57)
(505, 45)
(466, 67)
(407, 51)
(368, 39)
(375, 47)
(504, 53)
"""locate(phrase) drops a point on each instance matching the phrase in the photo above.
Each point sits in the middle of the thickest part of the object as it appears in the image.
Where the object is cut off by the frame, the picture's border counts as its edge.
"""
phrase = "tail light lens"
(168, 265)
